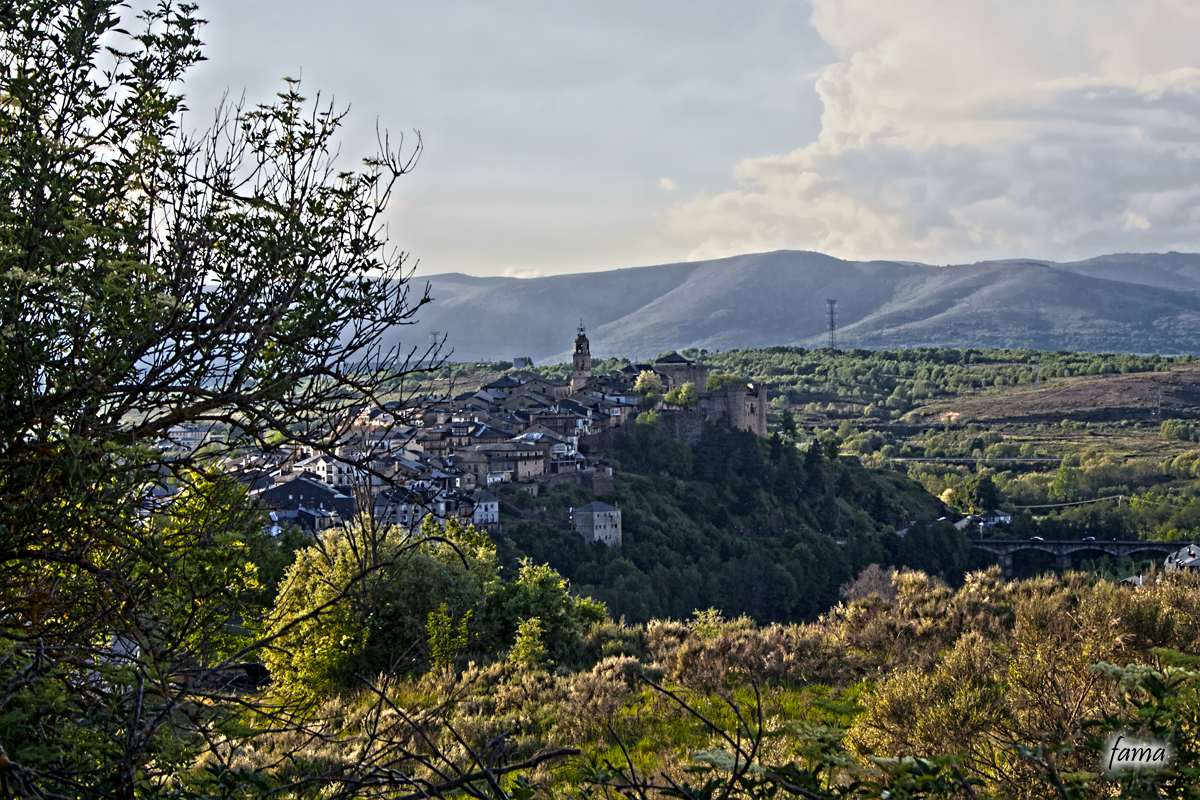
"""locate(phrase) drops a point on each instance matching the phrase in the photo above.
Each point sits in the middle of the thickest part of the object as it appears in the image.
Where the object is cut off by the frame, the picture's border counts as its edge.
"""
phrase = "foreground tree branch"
(236, 279)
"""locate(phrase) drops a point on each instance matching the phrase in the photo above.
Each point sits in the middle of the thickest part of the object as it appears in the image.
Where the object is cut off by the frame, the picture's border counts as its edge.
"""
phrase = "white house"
(487, 508)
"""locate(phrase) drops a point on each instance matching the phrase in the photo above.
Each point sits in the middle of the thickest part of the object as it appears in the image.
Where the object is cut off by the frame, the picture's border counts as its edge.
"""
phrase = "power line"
(1117, 497)
(1076, 503)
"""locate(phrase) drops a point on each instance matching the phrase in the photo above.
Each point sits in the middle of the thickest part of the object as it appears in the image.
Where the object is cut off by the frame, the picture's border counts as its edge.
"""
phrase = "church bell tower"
(581, 368)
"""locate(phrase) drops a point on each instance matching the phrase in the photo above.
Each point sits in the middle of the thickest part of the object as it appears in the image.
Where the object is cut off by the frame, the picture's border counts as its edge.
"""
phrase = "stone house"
(564, 422)
(406, 507)
(473, 462)
(499, 469)
(679, 370)
(528, 400)
(527, 459)
(555, 389)
(489, 465)
(558, 453)
(510, 421)
(599, 522)
(309, 502)
(398, 506)
(467, 433)
(506, 385)
(188, 436)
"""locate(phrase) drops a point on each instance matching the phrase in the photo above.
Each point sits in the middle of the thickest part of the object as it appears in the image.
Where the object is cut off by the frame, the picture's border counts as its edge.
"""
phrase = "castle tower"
(581, 368)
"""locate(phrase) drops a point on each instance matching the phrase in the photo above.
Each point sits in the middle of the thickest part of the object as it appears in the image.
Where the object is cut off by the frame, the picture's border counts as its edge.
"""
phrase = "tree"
(832, 447)
(788, 423)
(648, 383)
(446, 640)
(976, 494)
(1177, 429)
(237, 280)
(684, 396)
(650, 419)
(716, 382)
(541, 593)
(1066, 485)
(688, 396)
(528, 652)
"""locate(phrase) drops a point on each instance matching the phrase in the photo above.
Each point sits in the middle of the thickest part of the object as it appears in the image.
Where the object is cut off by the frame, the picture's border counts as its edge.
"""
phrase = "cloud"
(522, 272)
(1135, 221)
(668, 185)
(979, 130)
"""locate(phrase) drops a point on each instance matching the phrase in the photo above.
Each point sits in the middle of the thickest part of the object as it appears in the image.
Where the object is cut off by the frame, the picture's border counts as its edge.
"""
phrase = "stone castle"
(742, 405)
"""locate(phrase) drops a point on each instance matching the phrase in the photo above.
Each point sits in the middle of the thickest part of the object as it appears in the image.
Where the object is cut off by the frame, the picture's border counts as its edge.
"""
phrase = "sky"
(566, 137)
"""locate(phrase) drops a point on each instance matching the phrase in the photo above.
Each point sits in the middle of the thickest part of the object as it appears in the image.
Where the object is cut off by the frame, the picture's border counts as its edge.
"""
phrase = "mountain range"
(1135, 303)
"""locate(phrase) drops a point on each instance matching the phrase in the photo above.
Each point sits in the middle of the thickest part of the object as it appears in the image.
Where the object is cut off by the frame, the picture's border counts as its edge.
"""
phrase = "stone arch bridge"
(1063, 550)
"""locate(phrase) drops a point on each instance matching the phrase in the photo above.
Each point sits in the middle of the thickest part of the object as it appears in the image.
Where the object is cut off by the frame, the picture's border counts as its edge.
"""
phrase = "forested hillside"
(736, 523)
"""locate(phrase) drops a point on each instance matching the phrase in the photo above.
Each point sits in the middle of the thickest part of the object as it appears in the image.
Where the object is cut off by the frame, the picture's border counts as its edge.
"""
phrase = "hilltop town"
(442, 455)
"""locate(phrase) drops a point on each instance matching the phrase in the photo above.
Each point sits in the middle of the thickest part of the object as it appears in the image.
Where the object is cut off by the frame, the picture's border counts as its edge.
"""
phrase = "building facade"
(679, 370)
(487, 508)
(599, 522)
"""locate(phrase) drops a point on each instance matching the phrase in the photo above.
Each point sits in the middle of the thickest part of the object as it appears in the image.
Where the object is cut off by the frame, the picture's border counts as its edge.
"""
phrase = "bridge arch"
(1064, 550)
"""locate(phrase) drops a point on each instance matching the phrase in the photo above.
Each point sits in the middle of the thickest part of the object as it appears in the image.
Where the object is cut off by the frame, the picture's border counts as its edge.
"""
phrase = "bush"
(1178, 429)
(361, 602)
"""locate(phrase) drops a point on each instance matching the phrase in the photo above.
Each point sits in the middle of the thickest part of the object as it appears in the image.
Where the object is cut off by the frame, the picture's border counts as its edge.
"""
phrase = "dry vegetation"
(926, 671)
(1093, 398)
